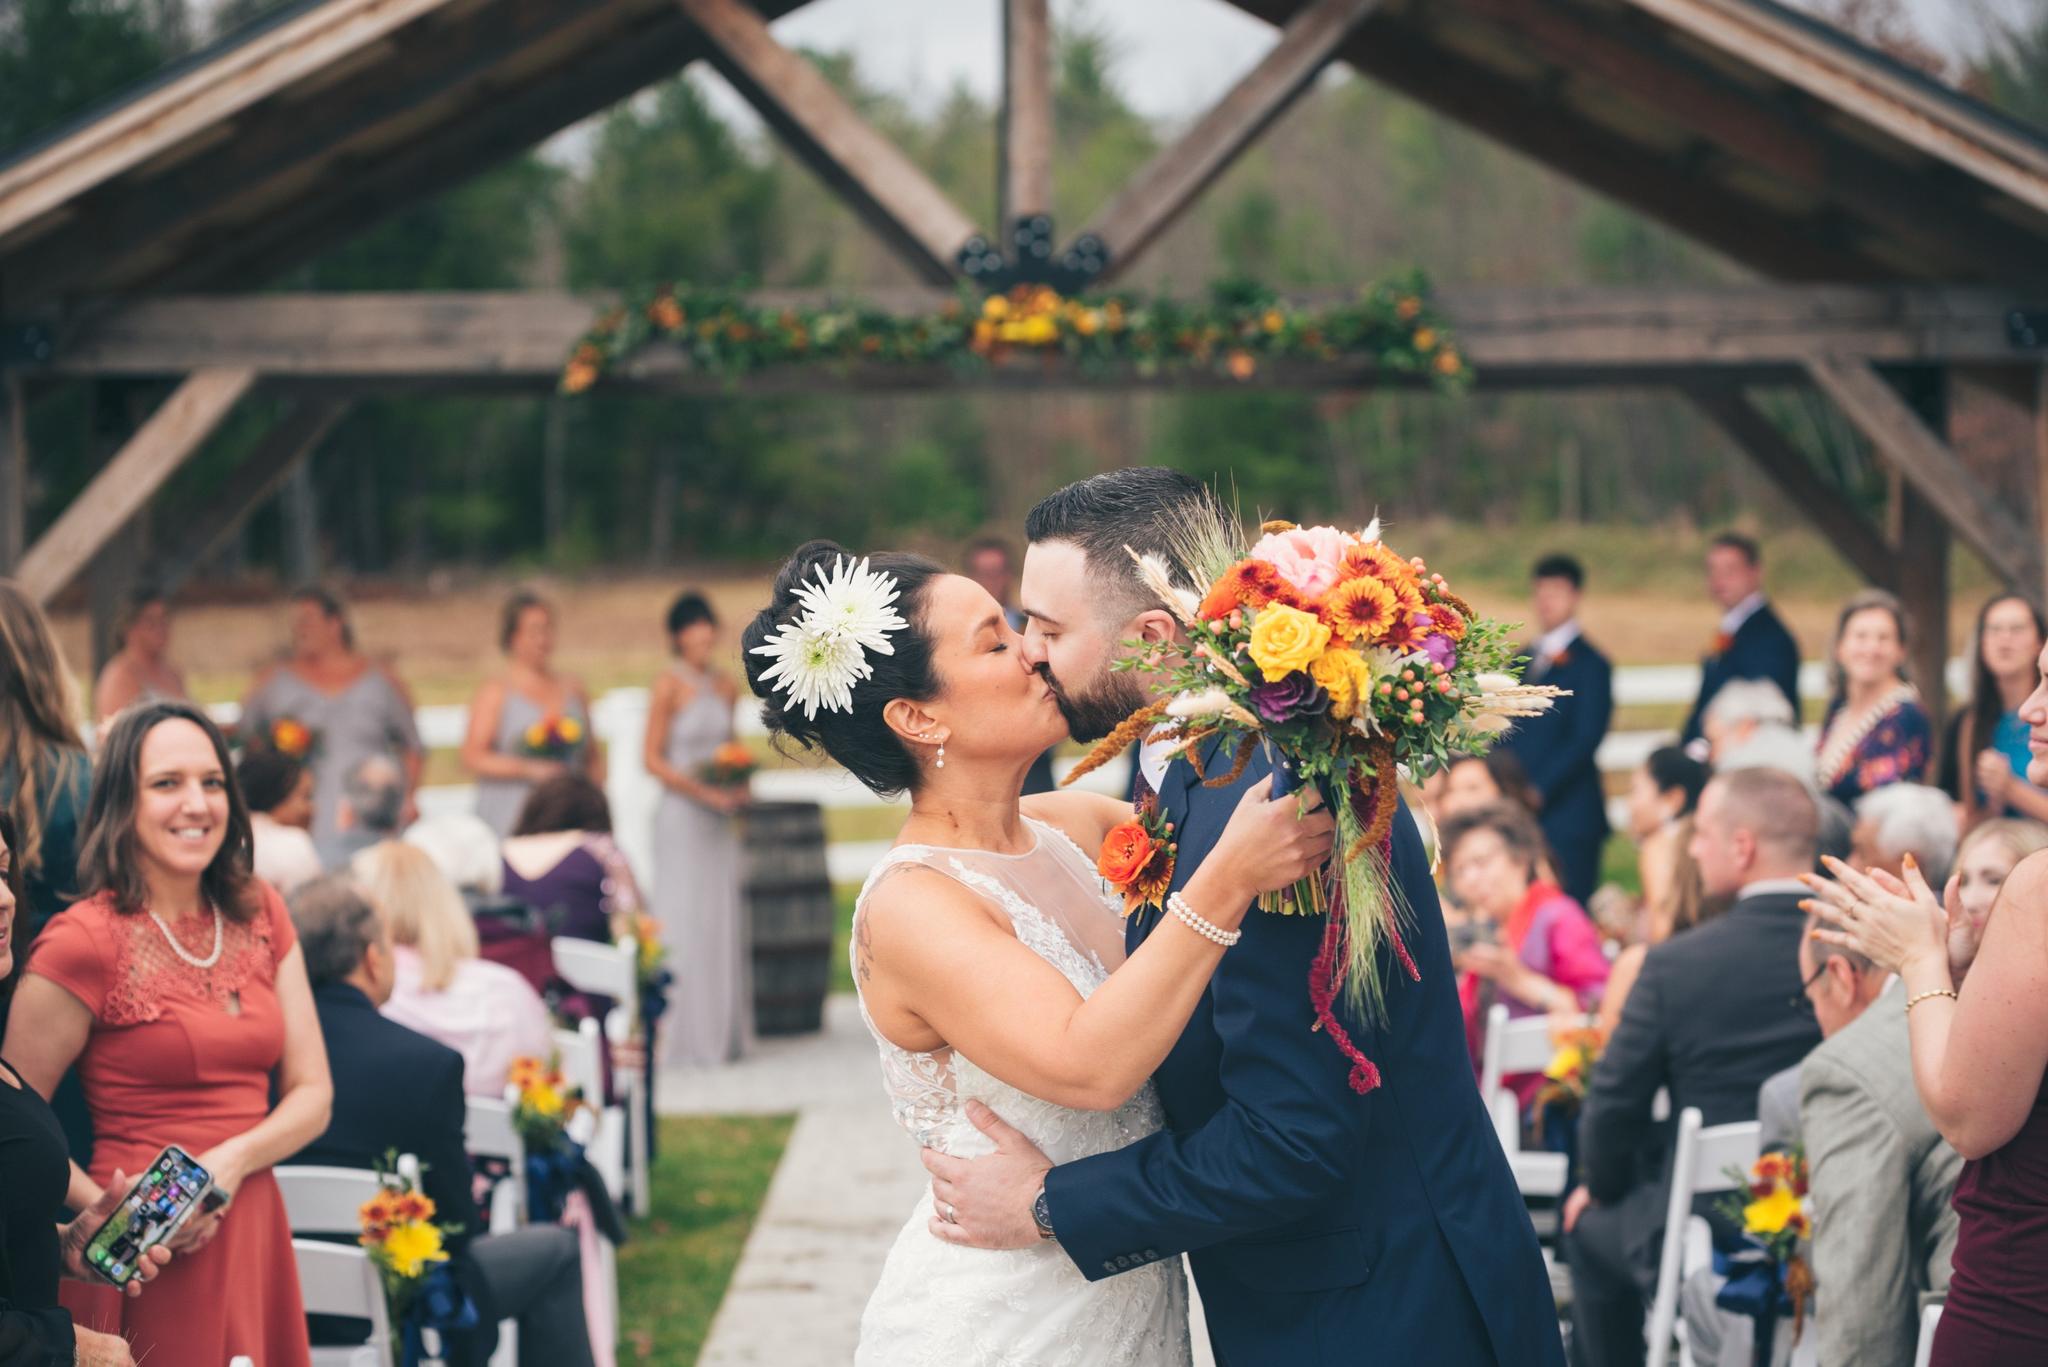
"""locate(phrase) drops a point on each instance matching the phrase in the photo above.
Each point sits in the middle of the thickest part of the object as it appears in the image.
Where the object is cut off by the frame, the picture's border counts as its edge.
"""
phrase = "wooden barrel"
(789, 916)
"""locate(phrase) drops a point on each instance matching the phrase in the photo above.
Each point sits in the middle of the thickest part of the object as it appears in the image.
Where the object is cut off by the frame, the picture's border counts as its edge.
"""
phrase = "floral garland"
(1237, 329)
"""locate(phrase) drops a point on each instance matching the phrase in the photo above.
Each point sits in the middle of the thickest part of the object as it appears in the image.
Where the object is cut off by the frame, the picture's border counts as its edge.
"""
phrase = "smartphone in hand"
(162, 1199)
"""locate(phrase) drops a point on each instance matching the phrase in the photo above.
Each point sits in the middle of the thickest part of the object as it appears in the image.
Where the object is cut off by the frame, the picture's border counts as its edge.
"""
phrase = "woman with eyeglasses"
(1984, 762)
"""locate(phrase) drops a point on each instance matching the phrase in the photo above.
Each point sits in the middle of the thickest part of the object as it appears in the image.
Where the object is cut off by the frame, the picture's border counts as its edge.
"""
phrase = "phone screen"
(151, 1214)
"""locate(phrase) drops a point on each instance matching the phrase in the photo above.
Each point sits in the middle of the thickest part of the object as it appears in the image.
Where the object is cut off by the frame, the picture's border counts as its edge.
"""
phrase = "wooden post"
(1024, 187)
(1158, 194)
(13, 472)
(131, 478)
(882, 185)
(1921, 537)
(250, 485)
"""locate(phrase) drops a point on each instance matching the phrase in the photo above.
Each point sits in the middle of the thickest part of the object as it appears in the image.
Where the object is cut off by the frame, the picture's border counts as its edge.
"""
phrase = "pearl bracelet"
(1178, 907)
(1912, 1002)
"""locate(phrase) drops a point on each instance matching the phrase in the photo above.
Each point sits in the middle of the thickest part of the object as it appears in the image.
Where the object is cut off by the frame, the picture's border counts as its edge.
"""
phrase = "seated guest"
(1473, 781)
(1559, 749)
(1986, 858)
(398, 1091)
(561, 859)
(1752, 642)
(1771, 747)
(373, 798)
(1906, 819)
(1984, 759)
(1709, 1019)
(1876, 732)
(484, 1011)
(1535, 948)
(1662, 798)
(1742, 708)
(279, 790)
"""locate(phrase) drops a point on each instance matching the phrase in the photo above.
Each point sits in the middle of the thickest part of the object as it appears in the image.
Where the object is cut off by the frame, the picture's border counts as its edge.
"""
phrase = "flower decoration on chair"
(554, 736)
(409, 1249)
(731, 765)
(1238, 332)
(294, 739)
(1571, 1067)
(1137, 858)
(1772, 1207)
(1350, 664)
(554, 1122)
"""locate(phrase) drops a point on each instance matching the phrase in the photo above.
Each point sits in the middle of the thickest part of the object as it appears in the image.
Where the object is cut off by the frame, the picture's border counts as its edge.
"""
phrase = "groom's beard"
(1093, 715)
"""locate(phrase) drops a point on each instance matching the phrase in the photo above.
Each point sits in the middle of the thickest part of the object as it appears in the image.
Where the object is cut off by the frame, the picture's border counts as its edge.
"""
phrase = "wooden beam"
(1922, 538)
(1816, 497)
(1905, 443)
(1158, 194)
(1025, 136)
(882, 185)
(120, 490)
(250, 485)
(13, 472)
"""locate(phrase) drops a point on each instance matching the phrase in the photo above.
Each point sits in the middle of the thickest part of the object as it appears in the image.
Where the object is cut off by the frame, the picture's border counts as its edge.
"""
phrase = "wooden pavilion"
(1898, 230)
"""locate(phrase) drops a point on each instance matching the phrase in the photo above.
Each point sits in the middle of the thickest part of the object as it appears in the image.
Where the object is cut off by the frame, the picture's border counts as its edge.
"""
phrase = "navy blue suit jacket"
(1558, 751)
(1323, 1226)
(1762, 649)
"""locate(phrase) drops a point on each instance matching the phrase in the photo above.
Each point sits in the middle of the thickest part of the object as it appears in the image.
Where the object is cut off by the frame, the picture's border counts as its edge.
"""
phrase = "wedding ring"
(952, 1215)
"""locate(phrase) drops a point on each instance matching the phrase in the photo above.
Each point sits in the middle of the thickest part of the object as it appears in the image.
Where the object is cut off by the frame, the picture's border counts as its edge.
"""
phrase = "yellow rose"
(1286, 639)
(1565, 1063)
(1337, 671)
(411, 1247)
(1772, 1213)
(1040, 330)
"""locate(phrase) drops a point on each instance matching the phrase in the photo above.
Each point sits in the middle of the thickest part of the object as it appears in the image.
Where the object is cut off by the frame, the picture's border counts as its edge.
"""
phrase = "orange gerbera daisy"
(1374, 559)
(1360, 609)
(1448, 620)
(1248, 583)
(1406, 631)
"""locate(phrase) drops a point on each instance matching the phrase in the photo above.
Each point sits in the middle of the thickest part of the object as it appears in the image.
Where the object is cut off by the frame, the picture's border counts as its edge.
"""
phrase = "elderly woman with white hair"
(1901, 820)
(1742, 710)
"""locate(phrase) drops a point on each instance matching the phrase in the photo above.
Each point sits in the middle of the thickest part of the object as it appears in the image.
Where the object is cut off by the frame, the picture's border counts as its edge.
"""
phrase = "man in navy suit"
(1323, 1225)
(1558, 750)
(1752, 643)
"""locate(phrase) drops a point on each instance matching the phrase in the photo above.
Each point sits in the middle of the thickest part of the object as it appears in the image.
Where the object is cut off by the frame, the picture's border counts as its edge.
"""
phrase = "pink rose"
(1309, 558)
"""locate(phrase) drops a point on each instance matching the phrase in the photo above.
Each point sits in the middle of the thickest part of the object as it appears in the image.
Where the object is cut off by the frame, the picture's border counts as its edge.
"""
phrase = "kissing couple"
(1097, 1096)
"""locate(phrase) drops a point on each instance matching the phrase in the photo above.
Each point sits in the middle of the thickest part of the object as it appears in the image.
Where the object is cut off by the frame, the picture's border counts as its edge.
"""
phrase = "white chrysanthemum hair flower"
(821, 655)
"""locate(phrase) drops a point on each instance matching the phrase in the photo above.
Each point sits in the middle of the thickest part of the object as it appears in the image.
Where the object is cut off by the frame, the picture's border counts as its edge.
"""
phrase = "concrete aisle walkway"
(847, 1182)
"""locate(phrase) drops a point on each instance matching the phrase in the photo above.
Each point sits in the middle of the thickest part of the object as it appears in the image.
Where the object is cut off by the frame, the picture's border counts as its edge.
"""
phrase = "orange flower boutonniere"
(1137, 858)
(1722, 642)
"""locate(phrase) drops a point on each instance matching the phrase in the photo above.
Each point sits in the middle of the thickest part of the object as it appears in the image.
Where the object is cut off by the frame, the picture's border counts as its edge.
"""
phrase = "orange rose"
(1126, 851)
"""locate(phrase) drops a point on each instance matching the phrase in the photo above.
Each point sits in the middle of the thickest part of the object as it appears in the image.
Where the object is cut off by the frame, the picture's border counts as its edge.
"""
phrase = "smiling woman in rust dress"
(179, 990)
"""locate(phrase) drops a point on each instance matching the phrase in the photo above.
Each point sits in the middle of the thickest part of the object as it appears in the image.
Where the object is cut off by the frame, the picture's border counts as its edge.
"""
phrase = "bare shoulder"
(917, 921)
(2027, 887)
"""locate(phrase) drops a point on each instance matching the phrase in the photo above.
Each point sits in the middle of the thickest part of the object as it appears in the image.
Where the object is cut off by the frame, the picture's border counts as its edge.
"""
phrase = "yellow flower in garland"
(1772, 1213)
(1285, 640)
(410, 1247)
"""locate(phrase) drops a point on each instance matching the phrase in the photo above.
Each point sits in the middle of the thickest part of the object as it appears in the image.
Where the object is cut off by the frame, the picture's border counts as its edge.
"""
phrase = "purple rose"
(1441, 650)
(1293, 697)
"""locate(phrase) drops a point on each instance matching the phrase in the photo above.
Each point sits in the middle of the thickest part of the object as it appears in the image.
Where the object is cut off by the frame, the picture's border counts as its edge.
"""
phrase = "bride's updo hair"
(859, 740)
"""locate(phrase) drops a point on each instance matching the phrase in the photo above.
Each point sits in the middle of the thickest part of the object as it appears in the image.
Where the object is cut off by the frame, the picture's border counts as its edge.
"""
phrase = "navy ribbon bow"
(438, 1303)
(1755, 1289)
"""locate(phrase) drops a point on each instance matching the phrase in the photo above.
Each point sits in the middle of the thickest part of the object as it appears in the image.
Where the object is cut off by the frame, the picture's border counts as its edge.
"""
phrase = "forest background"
(1354, 182)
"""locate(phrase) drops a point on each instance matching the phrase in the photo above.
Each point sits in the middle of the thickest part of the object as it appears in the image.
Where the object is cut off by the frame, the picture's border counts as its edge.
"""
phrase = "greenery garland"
(1240, 326)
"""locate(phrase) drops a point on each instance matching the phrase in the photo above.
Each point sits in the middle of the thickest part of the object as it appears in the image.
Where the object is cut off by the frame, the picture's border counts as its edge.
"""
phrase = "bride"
(988, 953)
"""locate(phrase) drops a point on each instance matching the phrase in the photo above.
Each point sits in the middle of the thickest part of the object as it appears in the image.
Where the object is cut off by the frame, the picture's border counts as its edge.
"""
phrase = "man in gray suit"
(1882, 1177)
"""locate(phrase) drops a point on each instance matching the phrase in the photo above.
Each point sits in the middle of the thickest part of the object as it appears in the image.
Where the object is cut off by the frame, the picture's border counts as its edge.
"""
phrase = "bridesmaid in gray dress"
(697, 848)
(499, 748)
(343, 705)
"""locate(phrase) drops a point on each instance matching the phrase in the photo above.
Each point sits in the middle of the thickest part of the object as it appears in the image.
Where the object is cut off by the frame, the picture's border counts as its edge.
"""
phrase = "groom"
(1323, 1226)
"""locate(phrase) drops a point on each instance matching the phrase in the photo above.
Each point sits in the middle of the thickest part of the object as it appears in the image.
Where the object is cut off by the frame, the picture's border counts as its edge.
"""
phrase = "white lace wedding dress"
(940, 1305)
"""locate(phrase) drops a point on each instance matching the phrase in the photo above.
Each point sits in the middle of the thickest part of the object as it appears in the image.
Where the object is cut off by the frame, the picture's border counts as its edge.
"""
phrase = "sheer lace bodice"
(939, 1305)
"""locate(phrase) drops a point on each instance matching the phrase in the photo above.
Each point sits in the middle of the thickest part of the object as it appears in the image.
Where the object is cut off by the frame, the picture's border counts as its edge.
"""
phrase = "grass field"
(709, 1182)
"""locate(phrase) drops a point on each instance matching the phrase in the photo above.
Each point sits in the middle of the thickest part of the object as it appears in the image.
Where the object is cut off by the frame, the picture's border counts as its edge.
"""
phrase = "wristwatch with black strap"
(1041, 1215)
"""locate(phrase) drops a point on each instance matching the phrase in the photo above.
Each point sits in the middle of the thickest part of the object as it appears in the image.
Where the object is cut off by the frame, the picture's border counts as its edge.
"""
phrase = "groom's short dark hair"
(1141, 508)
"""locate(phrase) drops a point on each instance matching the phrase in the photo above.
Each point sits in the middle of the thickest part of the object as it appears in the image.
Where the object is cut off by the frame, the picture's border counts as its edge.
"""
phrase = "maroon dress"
(1997, 1310)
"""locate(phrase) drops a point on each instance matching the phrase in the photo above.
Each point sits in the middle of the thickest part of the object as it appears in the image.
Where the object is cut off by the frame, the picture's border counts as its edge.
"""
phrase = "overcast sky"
(1177, 54)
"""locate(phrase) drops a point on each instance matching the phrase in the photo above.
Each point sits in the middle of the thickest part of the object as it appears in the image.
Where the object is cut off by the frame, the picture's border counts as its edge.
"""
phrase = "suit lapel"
(1173, 803)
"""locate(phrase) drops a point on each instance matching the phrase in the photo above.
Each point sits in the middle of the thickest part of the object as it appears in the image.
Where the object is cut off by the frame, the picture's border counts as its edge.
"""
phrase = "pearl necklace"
(210, 960)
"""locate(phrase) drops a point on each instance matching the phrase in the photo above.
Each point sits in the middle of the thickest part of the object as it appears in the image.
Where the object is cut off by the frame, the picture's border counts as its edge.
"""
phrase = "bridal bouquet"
(1350, 664)
(731, 765)
(552, 737)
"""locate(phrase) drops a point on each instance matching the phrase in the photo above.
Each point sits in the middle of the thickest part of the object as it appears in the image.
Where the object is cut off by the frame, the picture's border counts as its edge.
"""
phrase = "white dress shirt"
(1550, 645)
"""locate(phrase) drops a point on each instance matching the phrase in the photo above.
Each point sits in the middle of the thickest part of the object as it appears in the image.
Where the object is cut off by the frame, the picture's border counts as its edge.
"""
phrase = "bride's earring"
(942, 755)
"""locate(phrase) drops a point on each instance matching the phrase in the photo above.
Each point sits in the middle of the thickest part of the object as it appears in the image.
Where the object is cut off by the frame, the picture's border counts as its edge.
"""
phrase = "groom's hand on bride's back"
(1274, 842)
(986, 1202)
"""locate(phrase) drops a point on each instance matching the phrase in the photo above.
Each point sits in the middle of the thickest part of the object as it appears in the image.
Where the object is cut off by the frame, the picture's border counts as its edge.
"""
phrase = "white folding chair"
(1930, 1320)
(582, 1055)
(336, 1279)
(488, 1133)
(614, 971)
(1700, 1167)
(1523, 1046)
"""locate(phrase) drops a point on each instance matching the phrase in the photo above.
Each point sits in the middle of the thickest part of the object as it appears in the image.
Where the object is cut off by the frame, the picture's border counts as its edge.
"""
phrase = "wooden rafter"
(119, 491)
(1906, 444)
(1159, 193)
(1924, 571)
(250, 485)
(884, 186)
(1823, 504)
(1024, 179)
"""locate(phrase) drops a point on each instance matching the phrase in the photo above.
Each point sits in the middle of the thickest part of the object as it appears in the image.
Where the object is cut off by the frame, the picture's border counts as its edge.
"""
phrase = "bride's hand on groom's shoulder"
(986, 1202)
